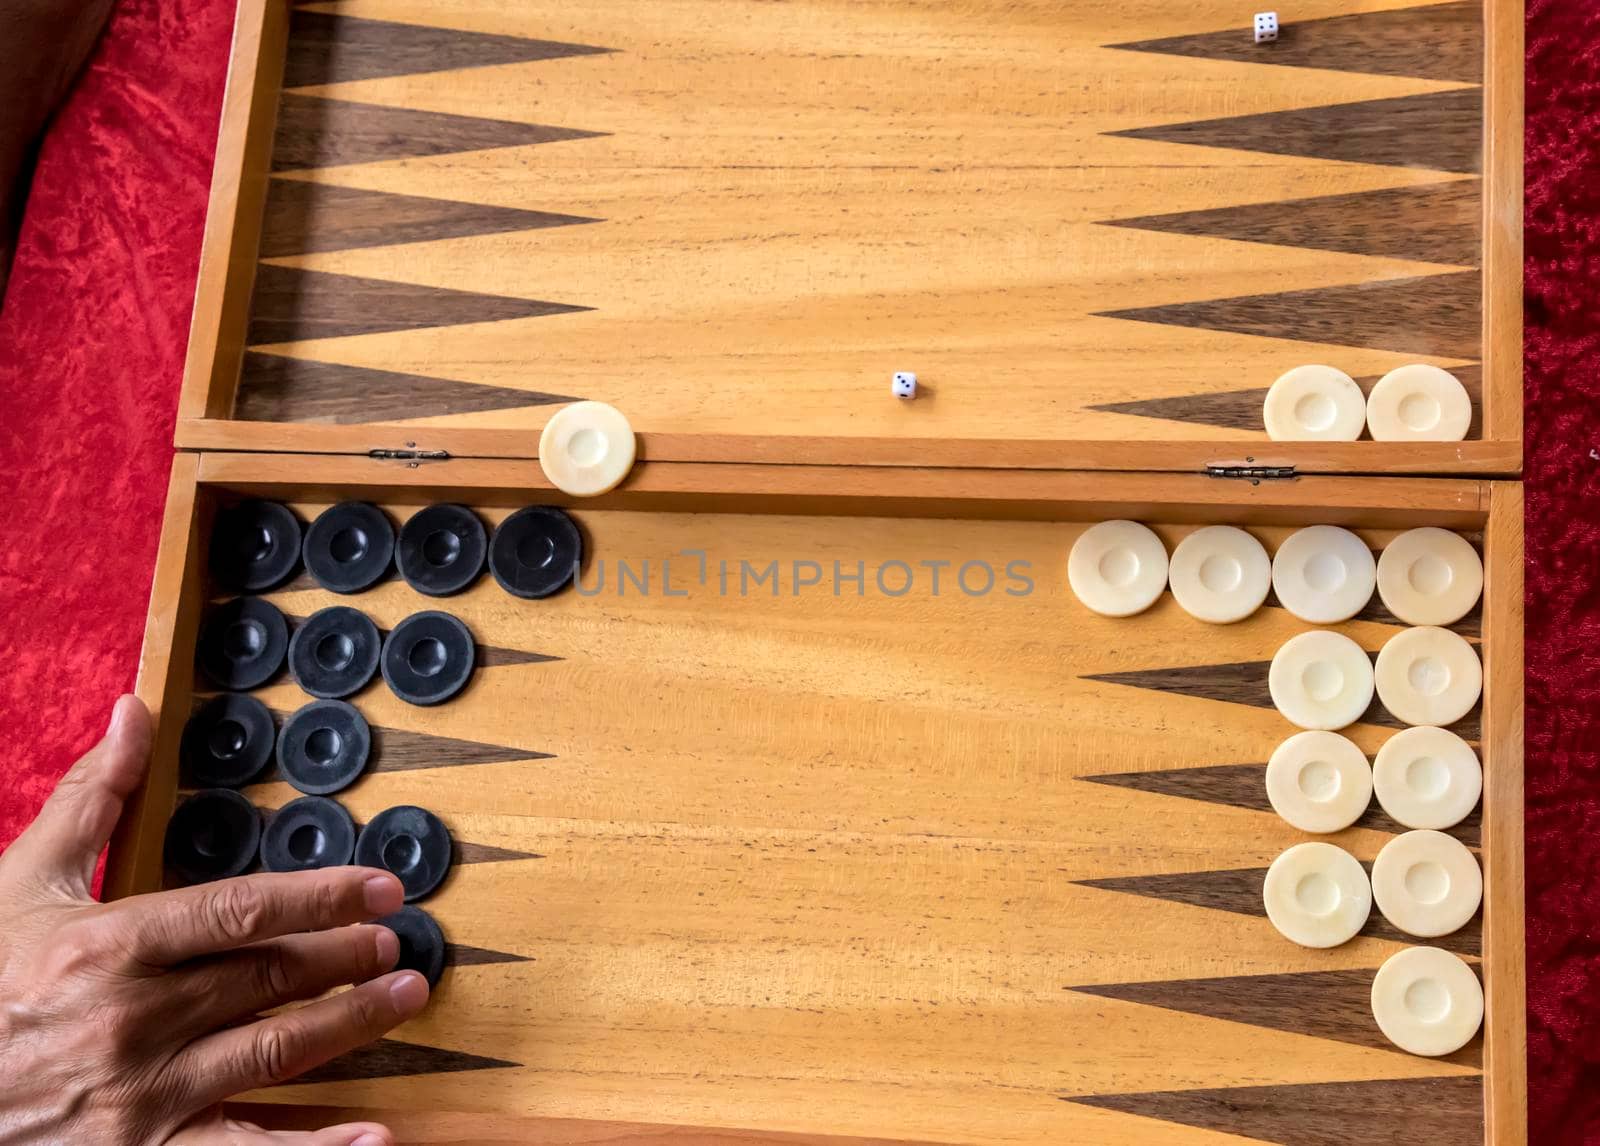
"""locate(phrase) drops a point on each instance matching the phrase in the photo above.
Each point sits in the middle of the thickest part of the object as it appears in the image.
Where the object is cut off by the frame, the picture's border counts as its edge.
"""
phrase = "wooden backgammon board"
(743, 856)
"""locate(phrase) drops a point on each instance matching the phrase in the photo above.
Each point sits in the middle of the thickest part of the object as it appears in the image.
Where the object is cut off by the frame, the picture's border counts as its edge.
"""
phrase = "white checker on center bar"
(1319, 782)
(1117, 568)
(1314, 404)
(1428, 676)
(1324, 574)
(1427, 1001)
(587, 448)
(1418, 403)
(1427, 883)
(1427, 778)
(1321, 680)
(1220, 574)
(1430, 576)
(1317, 895)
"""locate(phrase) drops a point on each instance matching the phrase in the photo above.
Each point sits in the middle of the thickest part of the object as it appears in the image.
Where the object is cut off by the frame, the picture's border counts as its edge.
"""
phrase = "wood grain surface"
(1074, 222)
(864, 866)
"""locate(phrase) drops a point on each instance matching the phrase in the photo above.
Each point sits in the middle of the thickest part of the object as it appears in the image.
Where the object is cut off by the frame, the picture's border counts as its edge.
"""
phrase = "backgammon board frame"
(202, 481)
(229, 260)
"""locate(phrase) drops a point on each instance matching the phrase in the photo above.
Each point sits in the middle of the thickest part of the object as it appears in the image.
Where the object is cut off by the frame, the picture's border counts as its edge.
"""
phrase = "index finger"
(166, 928)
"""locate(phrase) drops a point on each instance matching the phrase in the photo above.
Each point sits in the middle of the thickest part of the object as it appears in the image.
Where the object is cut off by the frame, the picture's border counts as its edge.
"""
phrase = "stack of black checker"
(325, 746)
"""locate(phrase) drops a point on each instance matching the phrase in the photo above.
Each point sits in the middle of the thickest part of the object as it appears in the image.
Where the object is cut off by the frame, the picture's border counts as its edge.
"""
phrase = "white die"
(1266, 27)
(905, 384)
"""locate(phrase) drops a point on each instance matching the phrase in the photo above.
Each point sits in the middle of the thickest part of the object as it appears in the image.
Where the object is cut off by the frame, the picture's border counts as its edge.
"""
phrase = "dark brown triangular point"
(1239, 890)
(488, 656)
(1439, 223)
(1376, 612)
(1229, 409)
(325, 48)
(303, 217)
(466, 852)
(1245, 786)
(274, 388)
(461, 955)
(1382, 1112)
(391, 1058)
(1241, 409)
(292, 305)
(1441, 131)
(1433, 315)
(1323, 1004)
(491, 657)
(1245, 682)
(397, 750)
(316, 132)
(1436, 42)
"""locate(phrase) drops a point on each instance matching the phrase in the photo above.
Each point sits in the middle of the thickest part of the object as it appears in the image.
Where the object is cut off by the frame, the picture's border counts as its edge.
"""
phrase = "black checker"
(535, 551)
(323, 747)
(412, 842)
(243, 643)
(213, 835)
(422, 945)
(349, 547)
(255, 545)
(441, 549)
(228, 742)
(428, 658)
(309, 833)
(335, 653)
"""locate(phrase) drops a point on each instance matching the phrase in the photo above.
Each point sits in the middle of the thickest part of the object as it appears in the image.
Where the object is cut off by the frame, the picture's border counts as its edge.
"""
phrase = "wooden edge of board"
(873, 491)
(177, 593)
(1483, 458)
(478, 1129)
(234, 211)
(1505, 1004)
(1502, 223)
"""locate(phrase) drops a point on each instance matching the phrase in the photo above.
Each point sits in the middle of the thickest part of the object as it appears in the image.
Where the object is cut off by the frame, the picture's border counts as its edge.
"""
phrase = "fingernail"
(369, 1140)
(388, 948)
(118, 711)
(409, 993)
(383, 894)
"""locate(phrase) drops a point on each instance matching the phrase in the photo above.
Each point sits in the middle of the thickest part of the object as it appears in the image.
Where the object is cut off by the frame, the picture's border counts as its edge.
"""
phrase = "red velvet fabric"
(1562, 474)
(92, 339)
(91, 349)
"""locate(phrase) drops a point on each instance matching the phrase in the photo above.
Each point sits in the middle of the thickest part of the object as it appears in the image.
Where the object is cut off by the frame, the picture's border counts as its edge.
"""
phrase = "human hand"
(129, 1023)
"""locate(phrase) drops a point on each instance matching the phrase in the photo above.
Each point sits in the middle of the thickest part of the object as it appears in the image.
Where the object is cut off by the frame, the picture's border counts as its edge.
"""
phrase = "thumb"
(63, 844)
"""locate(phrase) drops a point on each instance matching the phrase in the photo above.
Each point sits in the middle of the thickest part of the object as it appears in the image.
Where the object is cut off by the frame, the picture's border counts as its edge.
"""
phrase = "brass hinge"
(1255, 475)
(413, 458)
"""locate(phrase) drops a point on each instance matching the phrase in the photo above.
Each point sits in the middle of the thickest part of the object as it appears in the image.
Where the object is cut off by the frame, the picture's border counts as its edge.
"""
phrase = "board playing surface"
(1075, 221)
(954, 867)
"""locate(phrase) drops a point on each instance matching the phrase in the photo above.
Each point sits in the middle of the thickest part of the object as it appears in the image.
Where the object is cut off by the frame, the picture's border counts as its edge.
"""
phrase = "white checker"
(1427, 1001)
(1418, 403)
(1427, 883)
(1220, 574)
(1314, 404)
(1319, 782)
(1427, 778)
(1324, 574)
(587, 448)
(1317, 895)
(1117, 568)
(1321, 680)
(1428, 676)
(1430, 576)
